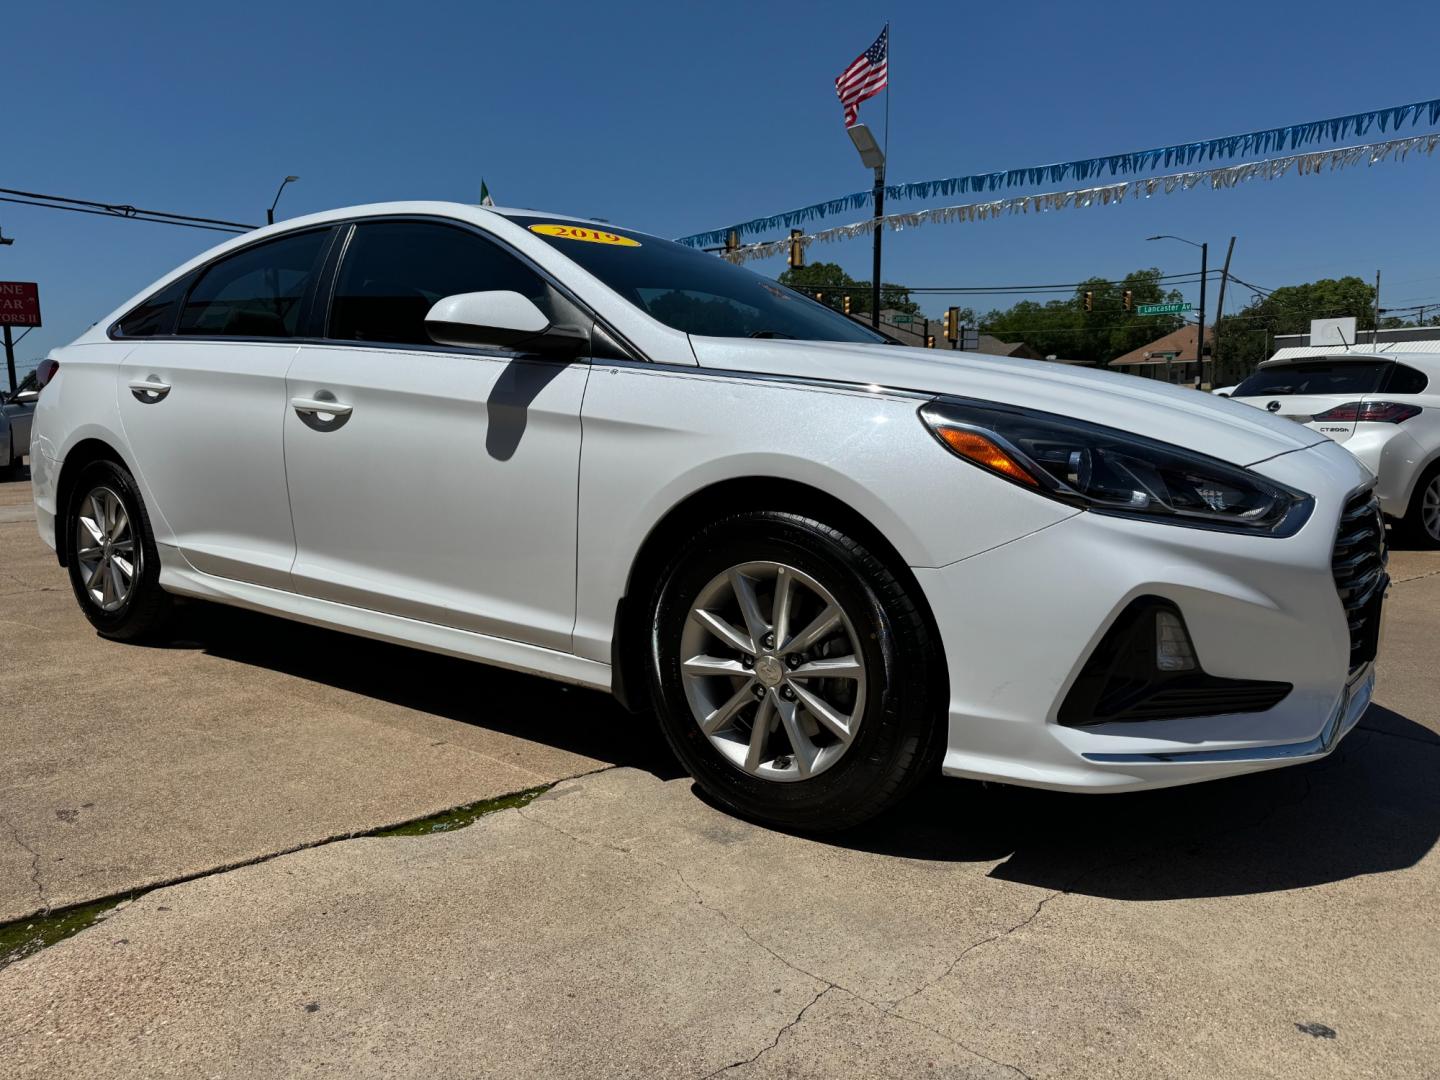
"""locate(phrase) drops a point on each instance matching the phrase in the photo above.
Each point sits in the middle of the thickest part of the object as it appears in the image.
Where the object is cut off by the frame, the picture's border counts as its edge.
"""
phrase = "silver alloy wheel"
(105, 549)
(1430, 508)
(773, 671)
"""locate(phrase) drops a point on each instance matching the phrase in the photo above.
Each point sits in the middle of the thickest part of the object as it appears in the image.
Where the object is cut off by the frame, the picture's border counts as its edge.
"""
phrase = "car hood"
(1210, 425)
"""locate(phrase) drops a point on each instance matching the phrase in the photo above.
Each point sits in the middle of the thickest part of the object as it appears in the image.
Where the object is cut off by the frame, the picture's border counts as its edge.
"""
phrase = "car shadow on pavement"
(569, 718)
(1372, 806)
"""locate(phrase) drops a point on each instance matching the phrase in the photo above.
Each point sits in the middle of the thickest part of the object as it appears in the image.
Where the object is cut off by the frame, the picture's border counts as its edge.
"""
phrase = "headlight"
(1114, 472)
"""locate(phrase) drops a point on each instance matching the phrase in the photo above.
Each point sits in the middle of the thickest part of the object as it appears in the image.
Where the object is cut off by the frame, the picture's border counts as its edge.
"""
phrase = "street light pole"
(879, 231)
(270, 214)
(1204, 273)
(872, 157)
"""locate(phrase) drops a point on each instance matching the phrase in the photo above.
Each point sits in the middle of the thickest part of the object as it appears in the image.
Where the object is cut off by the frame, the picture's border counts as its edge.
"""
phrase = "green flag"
(485, 199)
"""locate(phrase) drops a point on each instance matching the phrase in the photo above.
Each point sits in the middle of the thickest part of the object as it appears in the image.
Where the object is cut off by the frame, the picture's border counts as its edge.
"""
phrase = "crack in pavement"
(828, 984)
(34, 866)
(1431, 742)
(778, 1036)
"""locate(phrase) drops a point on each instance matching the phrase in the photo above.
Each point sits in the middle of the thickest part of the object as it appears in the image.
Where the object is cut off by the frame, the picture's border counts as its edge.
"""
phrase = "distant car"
(833, 566)
(16, 412)
(1223, 391)
(1384, 409)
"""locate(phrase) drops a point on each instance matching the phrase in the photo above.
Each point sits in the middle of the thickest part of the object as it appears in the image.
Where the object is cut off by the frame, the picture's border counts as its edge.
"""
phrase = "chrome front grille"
(1360, 579)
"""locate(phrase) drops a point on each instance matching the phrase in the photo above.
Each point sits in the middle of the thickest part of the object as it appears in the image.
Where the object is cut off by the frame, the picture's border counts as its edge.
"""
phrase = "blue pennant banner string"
(1227, 176)
(1227, 148)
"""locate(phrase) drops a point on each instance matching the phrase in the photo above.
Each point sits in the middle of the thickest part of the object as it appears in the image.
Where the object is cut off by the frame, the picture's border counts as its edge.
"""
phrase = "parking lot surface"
(1283, 924)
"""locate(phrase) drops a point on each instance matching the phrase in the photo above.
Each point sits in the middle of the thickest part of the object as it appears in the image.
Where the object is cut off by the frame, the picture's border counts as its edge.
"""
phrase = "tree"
(1065, 329)
(834, 284)
(1245, 338)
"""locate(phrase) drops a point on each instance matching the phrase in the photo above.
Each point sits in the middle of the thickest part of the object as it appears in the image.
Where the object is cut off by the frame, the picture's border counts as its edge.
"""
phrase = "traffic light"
(929, 341)
(1129, 299)
(732, 240)
(797, 249)
(952, 324)
(847, 303)
(1089, 300)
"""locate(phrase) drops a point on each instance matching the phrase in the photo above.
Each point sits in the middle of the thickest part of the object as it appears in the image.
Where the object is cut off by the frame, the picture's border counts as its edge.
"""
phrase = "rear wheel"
(1422, 523)
(793, 672)
(114, 567)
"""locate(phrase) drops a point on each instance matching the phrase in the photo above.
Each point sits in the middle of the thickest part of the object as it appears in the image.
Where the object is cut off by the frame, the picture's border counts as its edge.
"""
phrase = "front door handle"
(149, 390)
(310, 406)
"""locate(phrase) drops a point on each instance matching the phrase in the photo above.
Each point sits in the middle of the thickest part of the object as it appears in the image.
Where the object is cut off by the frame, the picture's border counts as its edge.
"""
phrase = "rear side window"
(257, 292)
(155, 315)
(395, 271)
(1407, 380)
(1315, 377)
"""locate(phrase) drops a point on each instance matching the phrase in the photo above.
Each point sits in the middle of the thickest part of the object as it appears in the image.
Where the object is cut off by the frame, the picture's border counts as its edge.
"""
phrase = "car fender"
(654, 438)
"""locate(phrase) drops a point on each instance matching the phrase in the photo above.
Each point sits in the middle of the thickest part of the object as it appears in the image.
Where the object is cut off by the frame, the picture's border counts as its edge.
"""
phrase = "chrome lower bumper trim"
(1348, 711)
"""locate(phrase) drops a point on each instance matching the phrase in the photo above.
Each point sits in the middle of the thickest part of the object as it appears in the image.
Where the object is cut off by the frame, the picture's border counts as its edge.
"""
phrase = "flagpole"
(887, 92)
(880, 194)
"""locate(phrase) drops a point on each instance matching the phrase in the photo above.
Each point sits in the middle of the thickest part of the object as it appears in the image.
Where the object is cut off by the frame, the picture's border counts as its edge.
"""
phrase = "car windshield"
(694, 291)
(1315, 377)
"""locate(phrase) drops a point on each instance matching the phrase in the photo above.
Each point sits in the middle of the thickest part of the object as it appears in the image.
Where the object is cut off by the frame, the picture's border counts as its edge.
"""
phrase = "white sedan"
(833, 566)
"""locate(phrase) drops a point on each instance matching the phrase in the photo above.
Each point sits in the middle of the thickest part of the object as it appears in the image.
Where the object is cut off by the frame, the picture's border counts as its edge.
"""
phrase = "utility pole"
(1215, 373)
(1375, 334)
(10, 359)
(9, 344)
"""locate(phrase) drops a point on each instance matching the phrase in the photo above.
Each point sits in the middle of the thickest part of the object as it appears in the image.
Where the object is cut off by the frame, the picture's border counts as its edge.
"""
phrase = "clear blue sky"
(679, 117)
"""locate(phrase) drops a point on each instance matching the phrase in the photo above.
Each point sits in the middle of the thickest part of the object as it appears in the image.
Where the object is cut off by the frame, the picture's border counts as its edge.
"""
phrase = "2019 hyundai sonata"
(832, 565)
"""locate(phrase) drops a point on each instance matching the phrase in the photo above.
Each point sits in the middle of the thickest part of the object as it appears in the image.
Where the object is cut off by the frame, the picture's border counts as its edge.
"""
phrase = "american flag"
(864, 78)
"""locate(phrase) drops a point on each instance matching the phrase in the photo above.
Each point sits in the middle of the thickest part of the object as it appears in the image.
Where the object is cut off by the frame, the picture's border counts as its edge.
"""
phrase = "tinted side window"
(1407, 380)
(155, 315)
(256, 292)
(394, 271)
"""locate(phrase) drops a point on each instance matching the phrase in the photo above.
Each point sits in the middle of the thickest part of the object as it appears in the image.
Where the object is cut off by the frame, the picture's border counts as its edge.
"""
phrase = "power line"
(992, 290)
(120, 210)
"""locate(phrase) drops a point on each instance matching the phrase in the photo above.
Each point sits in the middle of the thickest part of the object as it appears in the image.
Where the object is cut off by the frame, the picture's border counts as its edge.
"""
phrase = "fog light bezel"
(1122, 681)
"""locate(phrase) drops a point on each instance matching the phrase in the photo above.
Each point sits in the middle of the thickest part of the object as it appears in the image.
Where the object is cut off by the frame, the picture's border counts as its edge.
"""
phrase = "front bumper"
(1019, 622)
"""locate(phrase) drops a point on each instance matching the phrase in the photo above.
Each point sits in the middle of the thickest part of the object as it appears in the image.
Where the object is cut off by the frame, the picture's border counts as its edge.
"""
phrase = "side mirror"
(498, 318)
(25, 397)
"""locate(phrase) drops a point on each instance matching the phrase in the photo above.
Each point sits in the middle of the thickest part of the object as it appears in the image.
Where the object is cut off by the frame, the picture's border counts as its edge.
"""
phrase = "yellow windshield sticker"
(577, 232)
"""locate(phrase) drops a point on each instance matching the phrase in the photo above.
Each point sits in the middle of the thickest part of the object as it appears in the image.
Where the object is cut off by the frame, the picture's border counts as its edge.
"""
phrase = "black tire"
(147, 607)
(901, 732)
(1413, 529)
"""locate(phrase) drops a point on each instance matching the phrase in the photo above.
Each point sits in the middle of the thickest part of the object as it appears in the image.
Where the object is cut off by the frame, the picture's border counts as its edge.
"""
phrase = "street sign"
(1177, 307)
(902, 319)
(19, 303)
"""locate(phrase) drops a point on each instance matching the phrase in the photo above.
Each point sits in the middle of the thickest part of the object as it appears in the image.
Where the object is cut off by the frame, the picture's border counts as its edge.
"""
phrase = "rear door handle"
(310, 406)
(149, 390)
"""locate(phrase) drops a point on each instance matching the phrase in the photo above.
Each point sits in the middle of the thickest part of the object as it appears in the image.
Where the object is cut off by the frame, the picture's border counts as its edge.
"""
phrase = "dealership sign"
(19, 303)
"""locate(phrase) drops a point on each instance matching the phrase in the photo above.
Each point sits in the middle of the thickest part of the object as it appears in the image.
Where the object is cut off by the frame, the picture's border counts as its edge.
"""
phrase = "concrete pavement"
(127, 766)
(1284, 924)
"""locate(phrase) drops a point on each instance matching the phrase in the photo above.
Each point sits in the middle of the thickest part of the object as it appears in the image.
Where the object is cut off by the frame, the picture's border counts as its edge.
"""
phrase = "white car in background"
(833, 566)
(1383, 408)
(16, 412)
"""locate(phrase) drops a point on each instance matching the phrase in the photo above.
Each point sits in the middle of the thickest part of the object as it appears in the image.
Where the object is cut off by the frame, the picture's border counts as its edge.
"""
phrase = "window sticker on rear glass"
(576, 232)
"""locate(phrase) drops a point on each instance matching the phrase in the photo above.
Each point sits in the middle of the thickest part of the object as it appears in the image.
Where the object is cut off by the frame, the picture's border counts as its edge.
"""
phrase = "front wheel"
(114, 567)
(793, 672)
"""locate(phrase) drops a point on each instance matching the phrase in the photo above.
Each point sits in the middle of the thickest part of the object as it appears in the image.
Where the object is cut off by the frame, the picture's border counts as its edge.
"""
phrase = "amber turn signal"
(977, 448)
